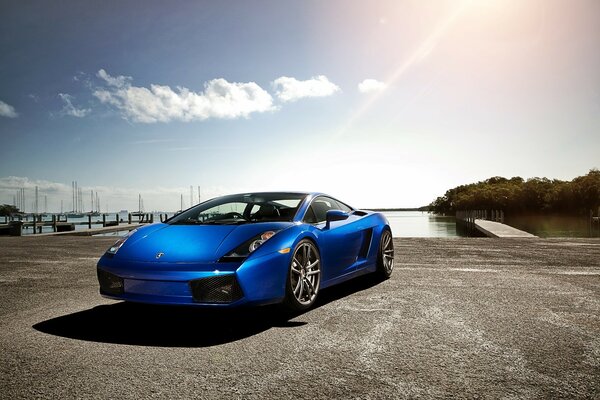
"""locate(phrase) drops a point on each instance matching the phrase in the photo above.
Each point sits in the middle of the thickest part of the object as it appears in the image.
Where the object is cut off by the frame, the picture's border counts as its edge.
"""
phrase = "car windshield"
(242, 209)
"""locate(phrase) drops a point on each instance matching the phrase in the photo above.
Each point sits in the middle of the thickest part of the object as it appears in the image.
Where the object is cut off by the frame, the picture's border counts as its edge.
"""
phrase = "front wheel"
(385, 257)
(304, 277)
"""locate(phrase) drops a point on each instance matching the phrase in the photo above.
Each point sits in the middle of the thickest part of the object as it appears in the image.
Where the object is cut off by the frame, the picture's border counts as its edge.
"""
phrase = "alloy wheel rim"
(387, 252)
(305, 273)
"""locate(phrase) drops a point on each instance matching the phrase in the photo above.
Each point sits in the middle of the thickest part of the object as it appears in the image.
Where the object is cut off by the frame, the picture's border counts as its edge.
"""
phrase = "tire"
(385, 255)
(303, 277)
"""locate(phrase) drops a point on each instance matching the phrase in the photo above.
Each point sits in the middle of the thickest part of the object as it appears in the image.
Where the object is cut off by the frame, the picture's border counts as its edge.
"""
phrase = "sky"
(378, 103)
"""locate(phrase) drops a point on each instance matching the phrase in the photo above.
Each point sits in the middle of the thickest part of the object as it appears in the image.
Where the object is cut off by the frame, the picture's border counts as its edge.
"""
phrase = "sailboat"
(76, 213)
(94, 213)
(140, 212)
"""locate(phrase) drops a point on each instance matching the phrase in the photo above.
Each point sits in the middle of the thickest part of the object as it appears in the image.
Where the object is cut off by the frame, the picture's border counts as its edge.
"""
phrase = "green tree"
(6, 209)
(516, 195)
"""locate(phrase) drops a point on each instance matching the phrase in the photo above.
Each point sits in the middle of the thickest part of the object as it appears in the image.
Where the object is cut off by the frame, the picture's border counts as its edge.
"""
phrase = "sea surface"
(554, 225)
(403, 224)
(423, 224)
(420, 224)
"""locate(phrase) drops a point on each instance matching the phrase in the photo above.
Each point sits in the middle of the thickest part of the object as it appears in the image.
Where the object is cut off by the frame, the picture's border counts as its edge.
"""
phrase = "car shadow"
(171, 326)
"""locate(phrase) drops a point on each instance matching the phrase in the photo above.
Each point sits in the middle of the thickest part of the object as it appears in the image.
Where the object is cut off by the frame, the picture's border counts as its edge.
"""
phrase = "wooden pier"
(499, 230)
(93, 231)
(488, 223)
(60, 224)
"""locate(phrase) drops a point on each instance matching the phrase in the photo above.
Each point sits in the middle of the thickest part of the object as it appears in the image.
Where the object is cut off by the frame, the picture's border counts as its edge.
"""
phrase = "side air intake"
(366, 244)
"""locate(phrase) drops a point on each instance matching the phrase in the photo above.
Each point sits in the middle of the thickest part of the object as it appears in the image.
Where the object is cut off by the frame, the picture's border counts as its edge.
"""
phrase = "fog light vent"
(110, 283)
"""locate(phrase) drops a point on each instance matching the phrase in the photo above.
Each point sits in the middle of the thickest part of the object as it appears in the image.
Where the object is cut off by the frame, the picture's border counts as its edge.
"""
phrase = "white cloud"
(83, 78)
(371, 85)
(159, 103)
(6, 110)
(291, 89)
(116, 81)
(70, 109)
(14, 182)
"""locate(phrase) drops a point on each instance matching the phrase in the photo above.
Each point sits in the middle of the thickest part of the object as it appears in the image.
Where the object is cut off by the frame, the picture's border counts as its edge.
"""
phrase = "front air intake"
(110, 283)
(216, 289)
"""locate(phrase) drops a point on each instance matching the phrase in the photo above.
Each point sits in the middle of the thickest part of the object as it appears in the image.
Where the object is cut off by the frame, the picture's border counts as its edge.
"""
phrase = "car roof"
(312, 194)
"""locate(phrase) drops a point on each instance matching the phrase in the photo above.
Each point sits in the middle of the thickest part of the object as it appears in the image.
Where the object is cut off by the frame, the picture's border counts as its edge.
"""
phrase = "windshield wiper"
(188, 221)
(225, 222)
(192, 221)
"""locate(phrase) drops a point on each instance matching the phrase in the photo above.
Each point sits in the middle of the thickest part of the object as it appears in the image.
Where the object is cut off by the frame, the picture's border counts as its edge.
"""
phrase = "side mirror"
(335, 215)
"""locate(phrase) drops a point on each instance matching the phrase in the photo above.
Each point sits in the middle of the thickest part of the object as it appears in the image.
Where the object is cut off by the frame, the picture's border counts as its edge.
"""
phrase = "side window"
(320, 207)
(253, 209)
(317, 211)
(310, 217)
(343, 207)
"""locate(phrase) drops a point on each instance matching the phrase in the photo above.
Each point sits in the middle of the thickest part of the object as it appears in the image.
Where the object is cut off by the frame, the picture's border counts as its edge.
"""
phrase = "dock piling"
(15, 228)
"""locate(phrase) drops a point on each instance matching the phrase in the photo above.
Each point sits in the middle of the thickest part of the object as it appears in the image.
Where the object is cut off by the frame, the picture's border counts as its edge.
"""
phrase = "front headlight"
(115, 247)
(258, 241)
(249, 246)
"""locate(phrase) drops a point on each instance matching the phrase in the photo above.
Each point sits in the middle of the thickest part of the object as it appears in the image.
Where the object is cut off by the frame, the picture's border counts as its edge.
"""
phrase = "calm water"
(553, 225)
(420, 224)
(403, 223)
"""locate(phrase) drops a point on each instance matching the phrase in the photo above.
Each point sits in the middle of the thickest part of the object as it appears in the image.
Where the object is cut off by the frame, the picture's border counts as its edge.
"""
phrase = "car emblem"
(159, 255)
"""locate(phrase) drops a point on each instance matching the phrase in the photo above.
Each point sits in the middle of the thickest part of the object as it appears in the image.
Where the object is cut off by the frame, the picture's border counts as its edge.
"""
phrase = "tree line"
(520, 196)
(7, 209)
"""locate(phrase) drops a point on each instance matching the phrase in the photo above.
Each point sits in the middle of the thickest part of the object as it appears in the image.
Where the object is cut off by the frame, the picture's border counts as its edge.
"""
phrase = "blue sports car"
(256, 248)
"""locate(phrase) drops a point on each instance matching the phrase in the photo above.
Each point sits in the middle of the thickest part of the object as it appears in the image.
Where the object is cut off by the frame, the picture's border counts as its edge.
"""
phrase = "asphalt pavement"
(468, 317)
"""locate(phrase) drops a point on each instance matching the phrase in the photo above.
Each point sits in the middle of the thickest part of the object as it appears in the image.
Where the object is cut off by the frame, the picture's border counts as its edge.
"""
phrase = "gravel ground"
(470, 317)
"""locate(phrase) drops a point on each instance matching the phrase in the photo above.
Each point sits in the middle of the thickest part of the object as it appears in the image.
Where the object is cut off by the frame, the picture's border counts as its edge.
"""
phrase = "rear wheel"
(385, 257)
(304, 277)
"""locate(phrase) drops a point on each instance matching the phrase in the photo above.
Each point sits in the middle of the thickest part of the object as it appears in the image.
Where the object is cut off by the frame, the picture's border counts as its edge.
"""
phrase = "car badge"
(159, 255)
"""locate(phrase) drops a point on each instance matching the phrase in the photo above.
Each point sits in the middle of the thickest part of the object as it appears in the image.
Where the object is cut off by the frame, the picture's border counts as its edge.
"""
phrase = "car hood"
(190, 243)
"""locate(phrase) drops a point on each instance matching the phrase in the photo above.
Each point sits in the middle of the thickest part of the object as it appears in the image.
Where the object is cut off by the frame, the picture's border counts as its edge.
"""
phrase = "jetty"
(499, 230)
(61, 225)
(488, 223)
(92, 231)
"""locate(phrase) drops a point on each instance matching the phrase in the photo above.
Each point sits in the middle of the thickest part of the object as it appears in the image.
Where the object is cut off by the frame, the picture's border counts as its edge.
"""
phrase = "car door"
(340, 243)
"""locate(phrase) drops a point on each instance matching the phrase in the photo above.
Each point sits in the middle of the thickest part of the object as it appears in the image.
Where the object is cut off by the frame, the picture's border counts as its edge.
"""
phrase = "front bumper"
(253, 282)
